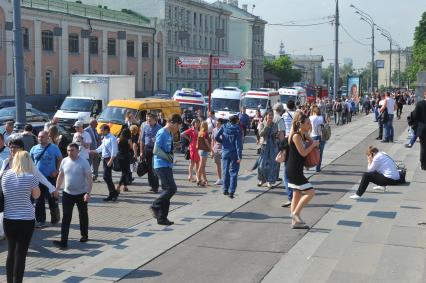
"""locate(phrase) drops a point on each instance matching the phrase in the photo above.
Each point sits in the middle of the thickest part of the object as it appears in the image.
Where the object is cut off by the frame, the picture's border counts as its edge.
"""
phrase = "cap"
(78, 124)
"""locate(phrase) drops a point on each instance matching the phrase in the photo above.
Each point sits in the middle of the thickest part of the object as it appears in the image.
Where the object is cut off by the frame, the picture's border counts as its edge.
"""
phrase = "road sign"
(203, 63)
(380, 63)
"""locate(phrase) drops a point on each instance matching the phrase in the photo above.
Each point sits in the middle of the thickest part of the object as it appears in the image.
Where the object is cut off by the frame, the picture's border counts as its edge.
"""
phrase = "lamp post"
(369, 20)
(388, 36)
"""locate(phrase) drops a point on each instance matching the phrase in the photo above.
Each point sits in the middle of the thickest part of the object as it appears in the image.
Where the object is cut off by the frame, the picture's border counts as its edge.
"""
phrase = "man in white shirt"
(211, 121)
(390, 106)
(83, 139)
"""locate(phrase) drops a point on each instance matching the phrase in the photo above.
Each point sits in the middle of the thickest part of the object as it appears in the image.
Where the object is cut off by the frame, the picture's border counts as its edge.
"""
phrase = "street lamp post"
(369, 20)
(388, 36)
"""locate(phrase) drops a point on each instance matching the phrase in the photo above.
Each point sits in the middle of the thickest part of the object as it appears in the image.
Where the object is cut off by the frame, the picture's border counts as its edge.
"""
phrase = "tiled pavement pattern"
(112, 225)
(375, 239)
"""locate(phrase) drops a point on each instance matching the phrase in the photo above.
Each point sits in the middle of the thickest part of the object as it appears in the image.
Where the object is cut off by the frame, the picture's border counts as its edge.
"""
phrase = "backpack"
(325, 131)
(339, 107)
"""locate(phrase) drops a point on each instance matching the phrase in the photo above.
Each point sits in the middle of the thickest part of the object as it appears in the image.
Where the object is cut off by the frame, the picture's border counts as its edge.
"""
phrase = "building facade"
(310, 66)
(247, 36)
(403, 59)
(72, 38)
(190, 28)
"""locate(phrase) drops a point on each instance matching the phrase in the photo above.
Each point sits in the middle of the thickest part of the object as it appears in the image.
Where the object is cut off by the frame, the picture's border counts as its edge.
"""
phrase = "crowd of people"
(34, 169)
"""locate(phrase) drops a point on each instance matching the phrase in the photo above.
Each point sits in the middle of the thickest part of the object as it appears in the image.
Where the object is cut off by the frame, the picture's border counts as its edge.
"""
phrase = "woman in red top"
(204, 149)
(192, 136)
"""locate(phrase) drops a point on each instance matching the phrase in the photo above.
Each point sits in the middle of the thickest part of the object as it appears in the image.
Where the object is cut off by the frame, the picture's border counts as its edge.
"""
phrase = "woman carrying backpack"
(318, 123)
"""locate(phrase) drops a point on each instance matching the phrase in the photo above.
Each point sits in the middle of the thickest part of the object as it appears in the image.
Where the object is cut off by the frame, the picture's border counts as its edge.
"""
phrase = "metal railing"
(83, 10)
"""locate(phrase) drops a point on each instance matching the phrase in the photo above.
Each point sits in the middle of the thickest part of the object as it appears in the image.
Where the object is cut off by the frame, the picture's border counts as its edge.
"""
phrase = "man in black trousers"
(420, 119)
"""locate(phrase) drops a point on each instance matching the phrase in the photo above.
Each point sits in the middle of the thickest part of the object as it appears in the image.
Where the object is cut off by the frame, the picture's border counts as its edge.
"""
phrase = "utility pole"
(336, 52)
(372, 59)
(390, 63)
(399, 66)
(19, 66)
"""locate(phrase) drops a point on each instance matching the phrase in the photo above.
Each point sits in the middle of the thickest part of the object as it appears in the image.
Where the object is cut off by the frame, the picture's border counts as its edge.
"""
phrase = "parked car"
(10, 103)
(32, 115)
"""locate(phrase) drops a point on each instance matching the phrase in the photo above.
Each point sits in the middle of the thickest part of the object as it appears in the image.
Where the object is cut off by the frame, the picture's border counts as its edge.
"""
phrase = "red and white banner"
(203, 63)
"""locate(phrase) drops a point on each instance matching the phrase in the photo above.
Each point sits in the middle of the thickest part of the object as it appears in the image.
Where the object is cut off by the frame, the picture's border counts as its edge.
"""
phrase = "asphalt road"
(244, 245)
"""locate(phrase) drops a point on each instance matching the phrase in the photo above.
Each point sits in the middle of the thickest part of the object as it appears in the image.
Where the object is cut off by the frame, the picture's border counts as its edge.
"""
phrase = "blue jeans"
(321, 145)
(230, 169)
(389, 131)
(168, 185)
(289, 190)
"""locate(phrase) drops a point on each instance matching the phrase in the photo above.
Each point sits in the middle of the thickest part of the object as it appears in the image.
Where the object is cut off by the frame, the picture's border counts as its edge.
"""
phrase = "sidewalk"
(375, 239)
(144, 242)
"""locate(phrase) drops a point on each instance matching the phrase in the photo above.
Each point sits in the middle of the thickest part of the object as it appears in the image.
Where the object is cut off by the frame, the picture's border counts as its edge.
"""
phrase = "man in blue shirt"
(163, 164)
(244, 120)
(147, 146)
(47, 157)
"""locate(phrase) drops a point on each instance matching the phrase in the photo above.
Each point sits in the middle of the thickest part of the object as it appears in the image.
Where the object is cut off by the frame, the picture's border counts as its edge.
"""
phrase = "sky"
(398, 17)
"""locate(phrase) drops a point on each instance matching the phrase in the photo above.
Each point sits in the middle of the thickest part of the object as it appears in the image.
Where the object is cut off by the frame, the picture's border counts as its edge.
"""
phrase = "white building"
(310, 66)
(246, 40)
(190, 28)
(406, 58)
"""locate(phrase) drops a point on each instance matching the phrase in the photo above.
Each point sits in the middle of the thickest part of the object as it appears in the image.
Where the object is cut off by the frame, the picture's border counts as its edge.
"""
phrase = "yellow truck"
(114, 114)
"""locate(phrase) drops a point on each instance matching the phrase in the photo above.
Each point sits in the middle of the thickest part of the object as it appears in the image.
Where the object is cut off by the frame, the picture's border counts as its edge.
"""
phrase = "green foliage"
(419, 49)
(282, 67)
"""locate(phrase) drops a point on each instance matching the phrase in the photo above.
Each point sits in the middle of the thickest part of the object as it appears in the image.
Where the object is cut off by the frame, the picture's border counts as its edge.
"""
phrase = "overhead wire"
(353, 38)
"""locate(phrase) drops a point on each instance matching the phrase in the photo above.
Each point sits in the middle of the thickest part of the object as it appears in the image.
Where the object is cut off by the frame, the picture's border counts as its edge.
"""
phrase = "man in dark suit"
(420, 120)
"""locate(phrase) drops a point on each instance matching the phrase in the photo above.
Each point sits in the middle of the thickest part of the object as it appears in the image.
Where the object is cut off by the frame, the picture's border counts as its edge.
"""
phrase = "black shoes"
(378, 138)
(165, 222)
(59, 244)
(84, 239)
(108, 198)
(231, 195)
(225, 193)
(154, 190)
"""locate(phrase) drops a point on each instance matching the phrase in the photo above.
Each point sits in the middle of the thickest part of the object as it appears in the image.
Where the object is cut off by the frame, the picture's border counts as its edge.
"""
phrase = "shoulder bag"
(401, 169)
(313, 158)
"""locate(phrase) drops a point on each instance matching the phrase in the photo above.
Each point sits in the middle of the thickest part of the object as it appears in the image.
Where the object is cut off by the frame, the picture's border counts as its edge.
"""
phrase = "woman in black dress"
(123, 156)
(303, 191)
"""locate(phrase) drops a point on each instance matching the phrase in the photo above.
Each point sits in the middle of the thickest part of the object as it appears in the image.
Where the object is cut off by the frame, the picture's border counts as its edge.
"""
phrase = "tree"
(282, 67)
(403, 78)
(419, 49)
(345, 71)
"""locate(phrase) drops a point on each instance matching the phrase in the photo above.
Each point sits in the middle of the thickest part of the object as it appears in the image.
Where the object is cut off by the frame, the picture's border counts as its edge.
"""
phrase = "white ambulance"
(190, 99)
(226, 101)
(262, 99)
(297, 94)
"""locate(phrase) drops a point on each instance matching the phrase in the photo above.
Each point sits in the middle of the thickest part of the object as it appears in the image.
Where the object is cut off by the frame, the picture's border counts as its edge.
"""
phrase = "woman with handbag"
(123, 157)
(204, 149)
(303, 191)
(191, 135)
(382, 171)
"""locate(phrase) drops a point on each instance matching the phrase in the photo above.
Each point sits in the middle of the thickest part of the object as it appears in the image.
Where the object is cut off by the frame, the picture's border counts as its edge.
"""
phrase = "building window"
(145, 49)
(26, 38)
(48, 82)
(176, 37)
(169, 65)
(201, 20)
(111, 46)
(130, 48)
(93, 45)
(47, 40)
(205, 42)
(73, 44)
(158, 50)
(194, 41)
(169, 37)
(195, 19)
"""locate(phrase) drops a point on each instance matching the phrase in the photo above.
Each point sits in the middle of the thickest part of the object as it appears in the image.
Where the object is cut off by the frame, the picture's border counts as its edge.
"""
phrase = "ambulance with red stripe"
(226, 101)
(190, 99)
(262, 99)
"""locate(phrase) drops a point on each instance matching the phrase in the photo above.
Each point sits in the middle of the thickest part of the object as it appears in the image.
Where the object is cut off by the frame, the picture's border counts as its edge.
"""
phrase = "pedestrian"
(217, 152)
(244, 120)
(303, 191)
(204, 150)
(317, 122)
(94, 158)
(47, 157)
(76, 175)
(381, 171)
(390, 105)
(380, 118)
(211, 122)
(288, 120)
(134, 151)
(83, 139)
(53, 122)
(109, 149)
(27, 137)
(123, 157)
(280, 135)
(257, 119)
(230, 136)
(163, 164)
(147, 142)
(338, 108)
(4, 150)
(191, 135)
(161, 120)
(130, 119)
(19, 185)
(267, 169)
(420, 119)
(58, 139)
(8, 131)
(399, 99)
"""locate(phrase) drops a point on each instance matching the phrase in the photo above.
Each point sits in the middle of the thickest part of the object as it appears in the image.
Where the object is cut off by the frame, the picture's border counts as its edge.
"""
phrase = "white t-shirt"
(316, 122)
(383, 164)
(211, 123)
(390, 105)
(84, 152)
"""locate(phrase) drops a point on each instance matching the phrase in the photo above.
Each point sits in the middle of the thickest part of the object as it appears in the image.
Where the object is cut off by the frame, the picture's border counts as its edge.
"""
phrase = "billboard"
(354, 87)
(380, 63)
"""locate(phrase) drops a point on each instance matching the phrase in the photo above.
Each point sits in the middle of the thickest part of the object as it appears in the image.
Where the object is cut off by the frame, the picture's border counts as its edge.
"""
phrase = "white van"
(262, 99)
(190, 99)
(226, 101)
(297, 94)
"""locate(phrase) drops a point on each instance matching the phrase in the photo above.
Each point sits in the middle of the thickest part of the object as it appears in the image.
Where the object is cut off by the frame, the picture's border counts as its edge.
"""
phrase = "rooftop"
(234, 9)
(87, 11)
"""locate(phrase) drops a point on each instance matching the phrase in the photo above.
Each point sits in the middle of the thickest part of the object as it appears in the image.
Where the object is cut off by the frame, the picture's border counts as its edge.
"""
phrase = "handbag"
(401, 169)
(116, 165)
(142, 168)
(187, 154)
(313, 158)
(281, 156)
(383, 117)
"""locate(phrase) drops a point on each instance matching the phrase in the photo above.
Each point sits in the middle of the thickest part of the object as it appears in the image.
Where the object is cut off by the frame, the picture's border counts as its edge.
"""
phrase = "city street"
(216, 239)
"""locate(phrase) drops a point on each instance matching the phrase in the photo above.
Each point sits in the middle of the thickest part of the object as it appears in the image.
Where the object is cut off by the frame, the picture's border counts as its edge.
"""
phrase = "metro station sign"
(203, 63)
